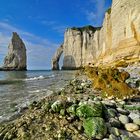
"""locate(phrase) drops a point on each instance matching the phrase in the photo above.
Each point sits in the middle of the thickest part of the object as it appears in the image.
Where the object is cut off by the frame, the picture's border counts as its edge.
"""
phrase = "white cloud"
(39, 56)
(39, 50)
(91, 16)
(99, 10)
(60, 29)
(55, 26)
(7, 28)
(3, 46)
(4, 39)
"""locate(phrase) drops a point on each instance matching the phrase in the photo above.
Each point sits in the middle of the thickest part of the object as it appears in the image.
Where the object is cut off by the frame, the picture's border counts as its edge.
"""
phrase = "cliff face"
(16, 57)
(117, 40)
(79, 47)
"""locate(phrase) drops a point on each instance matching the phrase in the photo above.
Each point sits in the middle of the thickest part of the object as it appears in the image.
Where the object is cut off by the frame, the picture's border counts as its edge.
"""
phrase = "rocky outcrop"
(111, 82)
(16, 57)
(55, 60)
(79, 48)
(117, 40)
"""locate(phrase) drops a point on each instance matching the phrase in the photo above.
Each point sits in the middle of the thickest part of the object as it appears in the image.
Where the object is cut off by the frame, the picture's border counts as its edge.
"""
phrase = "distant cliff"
(117, 40)
(16, 57)
(55, 59)
(79, 47)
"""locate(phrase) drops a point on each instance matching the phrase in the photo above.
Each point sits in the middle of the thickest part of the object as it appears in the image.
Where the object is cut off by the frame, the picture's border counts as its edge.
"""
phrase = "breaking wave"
(35, 78)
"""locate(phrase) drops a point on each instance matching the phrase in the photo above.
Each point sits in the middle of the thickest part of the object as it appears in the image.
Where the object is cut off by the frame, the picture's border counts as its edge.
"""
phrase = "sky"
(41, 24)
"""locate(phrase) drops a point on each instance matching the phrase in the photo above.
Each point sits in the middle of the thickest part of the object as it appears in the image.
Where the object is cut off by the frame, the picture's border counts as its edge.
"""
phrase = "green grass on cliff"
(86, 28)
(108, 10)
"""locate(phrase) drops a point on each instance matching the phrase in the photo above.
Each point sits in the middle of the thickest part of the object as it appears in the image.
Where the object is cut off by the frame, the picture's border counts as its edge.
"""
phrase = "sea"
(20, 88)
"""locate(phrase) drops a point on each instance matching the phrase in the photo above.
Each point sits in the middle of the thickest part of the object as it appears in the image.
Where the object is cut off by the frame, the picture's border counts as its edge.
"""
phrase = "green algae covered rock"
(72, 109)
(63, 112)
(46, 106)
(132, 107)
(95, 127)
(111, 82)
(56, 106)
(89, 110)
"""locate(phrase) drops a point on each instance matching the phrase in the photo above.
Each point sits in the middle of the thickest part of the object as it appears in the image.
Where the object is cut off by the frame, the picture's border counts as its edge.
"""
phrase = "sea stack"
(16, 57)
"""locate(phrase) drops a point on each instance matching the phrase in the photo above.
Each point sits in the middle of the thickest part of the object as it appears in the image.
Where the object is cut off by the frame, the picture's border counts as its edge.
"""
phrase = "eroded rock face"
(117, 40)
(55, 60)
(79, 47)
(16, 57)
(119, 37)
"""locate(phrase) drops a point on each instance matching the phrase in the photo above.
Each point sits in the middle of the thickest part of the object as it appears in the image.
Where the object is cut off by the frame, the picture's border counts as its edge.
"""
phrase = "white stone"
(123, 119)
(131, 127)
(134, 115)
(137, 133)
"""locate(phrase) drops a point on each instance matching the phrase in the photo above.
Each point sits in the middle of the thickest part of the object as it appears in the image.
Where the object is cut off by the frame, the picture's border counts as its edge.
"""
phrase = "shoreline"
(18, 89)
(68, 113)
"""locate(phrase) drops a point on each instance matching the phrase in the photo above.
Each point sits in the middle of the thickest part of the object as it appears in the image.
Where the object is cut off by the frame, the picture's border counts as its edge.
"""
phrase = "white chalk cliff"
(79, 47)
(16, 57)
(117, 40)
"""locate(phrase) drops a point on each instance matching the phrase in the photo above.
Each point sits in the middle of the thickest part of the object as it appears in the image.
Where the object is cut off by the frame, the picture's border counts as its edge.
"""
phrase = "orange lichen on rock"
(111, 82)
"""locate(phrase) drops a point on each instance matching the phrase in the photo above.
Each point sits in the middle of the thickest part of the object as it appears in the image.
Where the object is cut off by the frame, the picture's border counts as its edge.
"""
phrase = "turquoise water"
(19, 88)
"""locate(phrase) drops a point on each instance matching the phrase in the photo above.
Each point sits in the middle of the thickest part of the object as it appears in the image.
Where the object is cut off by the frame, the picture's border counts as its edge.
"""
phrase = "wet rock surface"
(77, 112)
(112, 83)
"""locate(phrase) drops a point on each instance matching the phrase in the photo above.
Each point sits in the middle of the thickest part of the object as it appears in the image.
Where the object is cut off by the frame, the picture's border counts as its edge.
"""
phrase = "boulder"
(123, 119)
(72, 109)
(56, 106)
(131, 127)
(89, 110)
(111, 82)
(95, 128)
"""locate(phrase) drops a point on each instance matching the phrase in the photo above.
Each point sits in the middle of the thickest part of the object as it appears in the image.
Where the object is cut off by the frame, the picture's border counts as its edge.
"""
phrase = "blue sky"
(41, 24)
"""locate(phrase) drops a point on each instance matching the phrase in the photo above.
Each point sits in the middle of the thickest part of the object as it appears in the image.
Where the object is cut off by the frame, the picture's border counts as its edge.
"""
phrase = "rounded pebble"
(137, 133)
(131, 127)
(123, 119)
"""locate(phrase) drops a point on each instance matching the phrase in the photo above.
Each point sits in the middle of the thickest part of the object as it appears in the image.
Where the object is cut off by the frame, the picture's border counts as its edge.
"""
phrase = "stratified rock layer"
(120, 36)
(117, 40)
(16, 57)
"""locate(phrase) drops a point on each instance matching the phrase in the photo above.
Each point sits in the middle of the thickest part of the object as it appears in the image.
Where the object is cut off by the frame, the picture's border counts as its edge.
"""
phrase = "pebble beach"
(76, 112)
